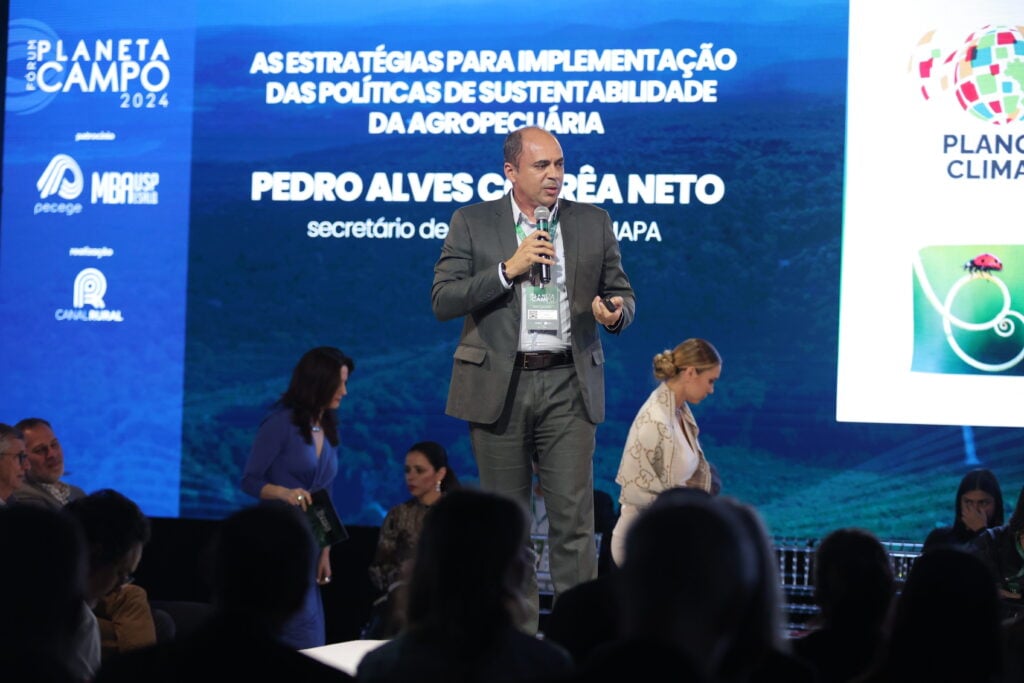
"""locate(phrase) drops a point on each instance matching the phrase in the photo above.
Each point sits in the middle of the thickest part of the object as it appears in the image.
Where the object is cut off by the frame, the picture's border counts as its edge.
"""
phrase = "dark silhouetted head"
(689, 578)
(115, 531)
(853, 579)
(946, 621)
(470, 566)
(263, 563)
(43, 572)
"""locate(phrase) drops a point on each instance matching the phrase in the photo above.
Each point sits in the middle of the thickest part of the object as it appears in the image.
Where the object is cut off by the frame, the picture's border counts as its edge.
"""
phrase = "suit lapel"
(507, 240)
(506, 227)
(570, 243)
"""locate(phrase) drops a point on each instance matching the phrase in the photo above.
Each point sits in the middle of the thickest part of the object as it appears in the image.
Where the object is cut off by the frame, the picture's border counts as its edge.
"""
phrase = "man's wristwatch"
(504, 272)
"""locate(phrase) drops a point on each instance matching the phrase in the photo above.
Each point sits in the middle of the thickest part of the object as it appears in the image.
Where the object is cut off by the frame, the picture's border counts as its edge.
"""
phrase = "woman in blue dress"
(294, 454)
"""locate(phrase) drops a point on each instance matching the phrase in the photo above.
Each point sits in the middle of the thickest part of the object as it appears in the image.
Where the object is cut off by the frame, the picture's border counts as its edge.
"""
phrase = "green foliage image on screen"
(967, 310)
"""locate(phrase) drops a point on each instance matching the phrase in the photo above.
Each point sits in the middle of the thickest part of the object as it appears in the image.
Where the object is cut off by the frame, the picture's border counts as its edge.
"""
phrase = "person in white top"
(662, 450)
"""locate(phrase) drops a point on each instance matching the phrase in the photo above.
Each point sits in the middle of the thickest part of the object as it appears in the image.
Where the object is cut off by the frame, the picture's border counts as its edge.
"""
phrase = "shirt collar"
(519, 215)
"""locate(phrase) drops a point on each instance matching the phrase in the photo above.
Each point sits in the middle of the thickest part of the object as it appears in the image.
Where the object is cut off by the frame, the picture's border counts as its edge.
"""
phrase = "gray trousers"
(544, 414)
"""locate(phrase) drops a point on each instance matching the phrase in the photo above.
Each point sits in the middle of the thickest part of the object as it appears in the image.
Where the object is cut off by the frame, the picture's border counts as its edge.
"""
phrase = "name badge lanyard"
(542, 310)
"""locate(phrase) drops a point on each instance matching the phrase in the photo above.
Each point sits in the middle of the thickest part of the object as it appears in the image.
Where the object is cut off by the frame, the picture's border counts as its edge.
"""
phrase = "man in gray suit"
(528, 372)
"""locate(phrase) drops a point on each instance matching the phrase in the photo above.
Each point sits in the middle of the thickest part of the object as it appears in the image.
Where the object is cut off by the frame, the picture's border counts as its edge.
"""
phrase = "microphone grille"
(542, 213)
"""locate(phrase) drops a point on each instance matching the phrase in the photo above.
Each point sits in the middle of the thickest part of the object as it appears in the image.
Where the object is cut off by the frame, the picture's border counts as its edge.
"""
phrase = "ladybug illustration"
(984, 264)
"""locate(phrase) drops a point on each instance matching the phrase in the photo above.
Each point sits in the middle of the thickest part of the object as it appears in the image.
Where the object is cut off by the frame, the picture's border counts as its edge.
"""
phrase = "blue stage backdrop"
(196, 193)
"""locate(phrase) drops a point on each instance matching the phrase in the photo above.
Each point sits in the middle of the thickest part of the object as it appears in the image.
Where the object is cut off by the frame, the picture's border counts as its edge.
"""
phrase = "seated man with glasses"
(119, 616)
(12, 462)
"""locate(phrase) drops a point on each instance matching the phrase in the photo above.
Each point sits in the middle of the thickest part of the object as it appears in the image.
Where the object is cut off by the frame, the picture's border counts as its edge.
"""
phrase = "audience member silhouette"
(45, 467)
(1000, 549)
(687, 586)
(853, 588)
(43, 574)
(1013, 642)
(945, 624)
(428, 476)
(262, 566)
(587, 616)
(465, 601)
(115, 531)
(762, 652)
(978, 506)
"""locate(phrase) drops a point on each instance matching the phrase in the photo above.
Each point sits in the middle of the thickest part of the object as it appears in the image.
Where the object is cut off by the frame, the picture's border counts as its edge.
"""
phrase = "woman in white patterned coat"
(662, 450)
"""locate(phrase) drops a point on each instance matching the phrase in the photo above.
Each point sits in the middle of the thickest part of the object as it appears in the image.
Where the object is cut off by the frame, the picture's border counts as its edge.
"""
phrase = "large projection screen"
(196, 193)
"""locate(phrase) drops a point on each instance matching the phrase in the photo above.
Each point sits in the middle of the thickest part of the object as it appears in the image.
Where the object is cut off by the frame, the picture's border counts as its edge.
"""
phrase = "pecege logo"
(62, 177)
(985, 73)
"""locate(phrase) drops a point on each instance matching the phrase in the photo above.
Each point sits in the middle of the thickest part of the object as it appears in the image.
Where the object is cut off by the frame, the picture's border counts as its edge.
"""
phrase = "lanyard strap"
(552, 230)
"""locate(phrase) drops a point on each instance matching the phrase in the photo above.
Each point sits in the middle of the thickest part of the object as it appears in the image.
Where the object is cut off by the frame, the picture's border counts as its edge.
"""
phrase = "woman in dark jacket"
(978, 506)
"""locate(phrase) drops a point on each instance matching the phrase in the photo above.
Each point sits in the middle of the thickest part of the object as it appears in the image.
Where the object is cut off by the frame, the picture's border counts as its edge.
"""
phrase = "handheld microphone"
(541, 272)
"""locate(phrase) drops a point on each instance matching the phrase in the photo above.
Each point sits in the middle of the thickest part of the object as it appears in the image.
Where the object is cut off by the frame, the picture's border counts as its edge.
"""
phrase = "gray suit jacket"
(32, 493)
(467, 285)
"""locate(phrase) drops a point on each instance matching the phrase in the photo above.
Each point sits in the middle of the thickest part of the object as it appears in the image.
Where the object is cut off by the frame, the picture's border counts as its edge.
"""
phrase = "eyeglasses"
(22, 456)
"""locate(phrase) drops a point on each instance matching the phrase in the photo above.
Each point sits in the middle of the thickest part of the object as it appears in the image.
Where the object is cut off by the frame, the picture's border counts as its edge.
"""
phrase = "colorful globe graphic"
(989, 76)
(930, 66)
